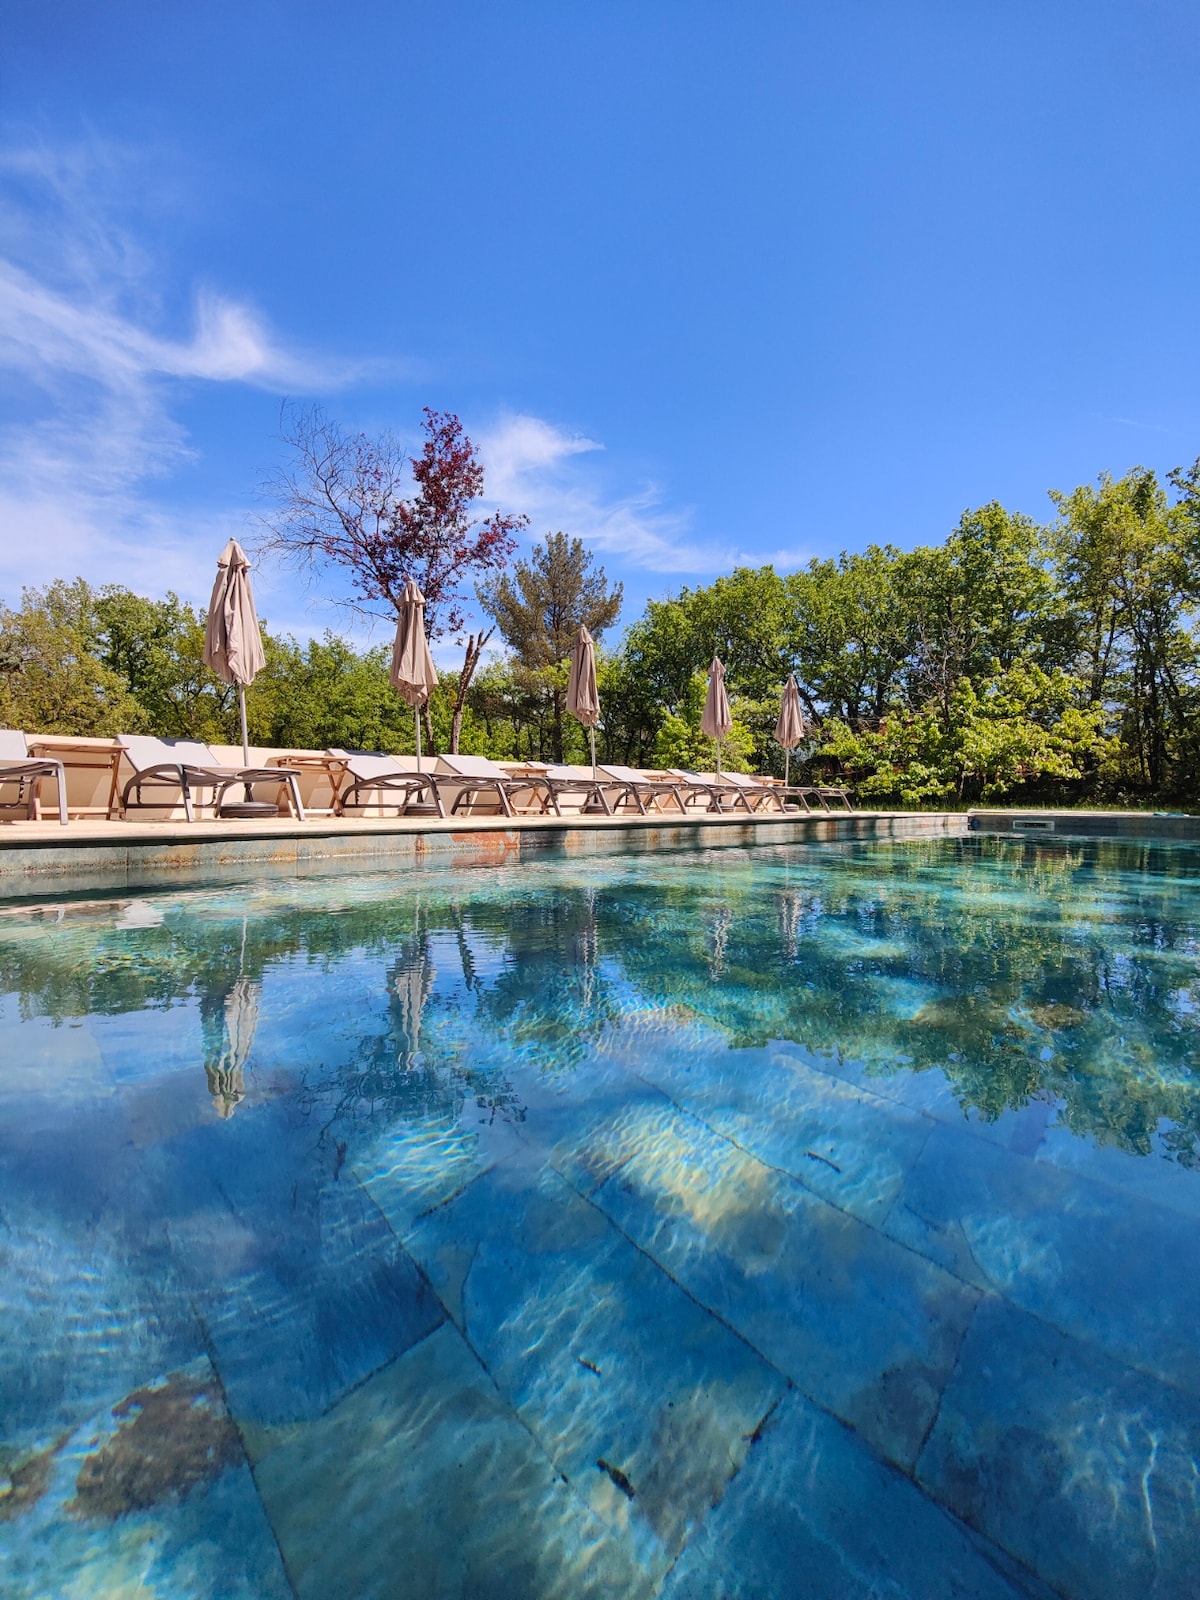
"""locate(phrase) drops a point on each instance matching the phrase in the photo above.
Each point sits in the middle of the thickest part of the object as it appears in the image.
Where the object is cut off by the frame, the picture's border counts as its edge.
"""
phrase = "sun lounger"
(321, 773)
(471, 777)
(189, 769)
(721, 794)
(821, 793)
(758, 796)
(590, 793)
(26, 771)
(640, 788)
(381, 779)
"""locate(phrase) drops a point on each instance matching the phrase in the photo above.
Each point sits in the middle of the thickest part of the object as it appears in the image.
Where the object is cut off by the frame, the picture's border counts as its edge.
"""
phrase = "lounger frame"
(190, 780)
(27, 772)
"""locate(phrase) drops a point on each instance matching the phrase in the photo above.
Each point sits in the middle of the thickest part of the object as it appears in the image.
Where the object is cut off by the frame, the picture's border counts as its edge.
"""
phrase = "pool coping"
(42, 858)
(1144, 826)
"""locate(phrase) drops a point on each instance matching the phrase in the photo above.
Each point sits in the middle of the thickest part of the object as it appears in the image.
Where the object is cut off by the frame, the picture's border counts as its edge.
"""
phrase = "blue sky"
(707, 282)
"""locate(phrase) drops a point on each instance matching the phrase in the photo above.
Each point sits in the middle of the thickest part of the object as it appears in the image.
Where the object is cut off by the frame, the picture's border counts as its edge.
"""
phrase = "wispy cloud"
(94, 380)
(552, 475)
(1132, 422)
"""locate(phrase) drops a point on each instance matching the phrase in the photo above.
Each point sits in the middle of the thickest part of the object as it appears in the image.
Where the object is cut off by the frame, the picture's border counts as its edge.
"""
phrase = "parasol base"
(593, 807)
(420, 808)
(249, 809)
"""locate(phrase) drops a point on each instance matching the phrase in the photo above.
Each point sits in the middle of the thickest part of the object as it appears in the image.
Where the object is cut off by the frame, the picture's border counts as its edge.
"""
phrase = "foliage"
(1019, 727)
(1011, 659)
(681, 744)
(542, 606)
(53, 678)
(540, 610)
(346, 503)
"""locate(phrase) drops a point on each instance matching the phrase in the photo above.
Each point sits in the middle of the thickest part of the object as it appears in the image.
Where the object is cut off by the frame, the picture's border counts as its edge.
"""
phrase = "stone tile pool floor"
(812, 1221)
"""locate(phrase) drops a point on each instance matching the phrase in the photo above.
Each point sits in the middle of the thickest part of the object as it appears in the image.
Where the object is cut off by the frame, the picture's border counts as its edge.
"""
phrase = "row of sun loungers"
(166, 774)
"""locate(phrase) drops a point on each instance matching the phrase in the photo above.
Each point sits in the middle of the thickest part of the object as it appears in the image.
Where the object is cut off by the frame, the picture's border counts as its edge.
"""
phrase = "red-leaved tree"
(381, 516)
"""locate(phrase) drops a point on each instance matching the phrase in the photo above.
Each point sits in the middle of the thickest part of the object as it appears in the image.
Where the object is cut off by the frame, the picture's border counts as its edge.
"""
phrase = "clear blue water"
(815, 1221)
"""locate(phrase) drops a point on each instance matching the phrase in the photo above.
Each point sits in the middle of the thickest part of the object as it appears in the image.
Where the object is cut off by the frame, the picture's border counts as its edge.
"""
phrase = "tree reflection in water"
(1054, 972)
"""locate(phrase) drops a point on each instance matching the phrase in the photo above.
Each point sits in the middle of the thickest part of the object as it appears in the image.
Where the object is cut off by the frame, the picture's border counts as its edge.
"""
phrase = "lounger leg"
(60, 777)
(294, 791)
(505, 802)
(187, 801)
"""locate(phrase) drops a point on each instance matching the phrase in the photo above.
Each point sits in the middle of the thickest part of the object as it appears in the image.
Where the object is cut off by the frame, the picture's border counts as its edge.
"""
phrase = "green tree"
(1019, 728)
(52, 677)
(540, 608)
(157, 647)
(1129, 570)
(854, 632)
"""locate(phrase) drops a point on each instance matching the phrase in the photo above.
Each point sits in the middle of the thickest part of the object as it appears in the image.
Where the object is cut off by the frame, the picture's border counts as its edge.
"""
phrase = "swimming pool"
(814, 1220)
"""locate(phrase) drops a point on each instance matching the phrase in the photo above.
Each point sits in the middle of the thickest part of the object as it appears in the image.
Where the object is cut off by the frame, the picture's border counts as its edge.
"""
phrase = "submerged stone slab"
(424, 1484)
(416, 1165)
(82, 1317)
(815, 1513)
(642, 1399)
(1083, 1469)
(301, 1284)
(850, 1146)
(1099, 1264)
(860, 1324)
(574, 1125)
(150, 1496)
(1154, 1176)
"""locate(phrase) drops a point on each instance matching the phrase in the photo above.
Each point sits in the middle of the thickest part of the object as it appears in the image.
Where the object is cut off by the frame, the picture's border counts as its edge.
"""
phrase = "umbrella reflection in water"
(791, 919)
(229, 1022)
(411, 983)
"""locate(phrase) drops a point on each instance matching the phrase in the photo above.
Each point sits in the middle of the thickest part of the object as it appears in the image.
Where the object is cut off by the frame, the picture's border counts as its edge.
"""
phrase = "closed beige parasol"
(232, 643)
(583, 698)
(716, 719)
(790, 728)
(413, 674)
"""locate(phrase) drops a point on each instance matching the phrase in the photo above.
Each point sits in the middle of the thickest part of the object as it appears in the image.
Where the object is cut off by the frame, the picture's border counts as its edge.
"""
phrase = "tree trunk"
(474, 650)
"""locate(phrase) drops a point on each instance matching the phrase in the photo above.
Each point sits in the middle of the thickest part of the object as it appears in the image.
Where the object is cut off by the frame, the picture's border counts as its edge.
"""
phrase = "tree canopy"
(1056, 661)
(540, 609)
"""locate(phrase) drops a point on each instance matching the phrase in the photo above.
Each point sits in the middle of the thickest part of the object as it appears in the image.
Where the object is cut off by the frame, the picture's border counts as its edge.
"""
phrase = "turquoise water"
(814, 1221)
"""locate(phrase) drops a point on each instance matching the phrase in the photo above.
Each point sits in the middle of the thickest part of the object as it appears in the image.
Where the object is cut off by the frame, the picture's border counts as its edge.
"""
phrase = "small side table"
(333, 767)
(79, 754)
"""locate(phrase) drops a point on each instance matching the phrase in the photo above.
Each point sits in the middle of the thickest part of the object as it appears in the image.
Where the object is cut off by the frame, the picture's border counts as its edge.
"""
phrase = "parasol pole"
(245, 735)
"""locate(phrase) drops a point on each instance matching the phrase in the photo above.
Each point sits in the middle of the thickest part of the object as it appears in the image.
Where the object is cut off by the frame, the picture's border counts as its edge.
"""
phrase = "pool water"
(813, 1221)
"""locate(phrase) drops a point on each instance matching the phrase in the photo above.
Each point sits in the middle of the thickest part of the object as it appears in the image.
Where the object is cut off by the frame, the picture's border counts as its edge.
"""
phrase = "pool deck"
(39, 857)
(1081, 824)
